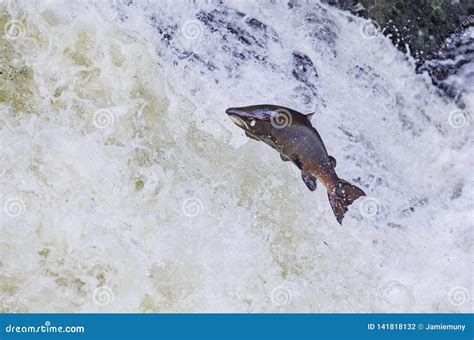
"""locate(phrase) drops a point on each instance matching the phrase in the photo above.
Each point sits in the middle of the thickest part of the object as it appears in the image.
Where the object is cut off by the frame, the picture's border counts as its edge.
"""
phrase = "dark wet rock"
(209, 65)
(422, 25)
(167, 32)
(320, 27)
(430, 29)
(258, 25)
(243, 39)
(243, 42)
(448, 63)
(304, 69)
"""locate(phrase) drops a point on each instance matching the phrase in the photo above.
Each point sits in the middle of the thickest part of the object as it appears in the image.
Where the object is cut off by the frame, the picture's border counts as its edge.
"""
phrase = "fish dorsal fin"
(309, 116)
(310, 181)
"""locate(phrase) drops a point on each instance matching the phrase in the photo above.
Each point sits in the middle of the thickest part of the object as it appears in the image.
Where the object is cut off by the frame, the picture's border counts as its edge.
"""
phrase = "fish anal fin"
(310, 181)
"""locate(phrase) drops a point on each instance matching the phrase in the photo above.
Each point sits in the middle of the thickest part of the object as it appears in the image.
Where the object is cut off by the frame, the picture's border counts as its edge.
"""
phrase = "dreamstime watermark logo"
(103, 119)
(458, 296)
(370, 29)
(383, 53)
(192, 207)
(458, 119)
(47, 328)
(293, 168)
(103, 296)
(281, 119)
(387, 52)
(459, 30)
(14, 29)
(192, 29)
(14, 207)
(281, 296)
(369, 207)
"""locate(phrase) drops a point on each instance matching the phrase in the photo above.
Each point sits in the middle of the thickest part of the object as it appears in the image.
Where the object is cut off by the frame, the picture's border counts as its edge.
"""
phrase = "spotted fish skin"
(294, 137)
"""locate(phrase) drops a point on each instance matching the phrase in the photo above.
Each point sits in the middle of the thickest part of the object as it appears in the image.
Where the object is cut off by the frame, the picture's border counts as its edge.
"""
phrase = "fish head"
(259, 120)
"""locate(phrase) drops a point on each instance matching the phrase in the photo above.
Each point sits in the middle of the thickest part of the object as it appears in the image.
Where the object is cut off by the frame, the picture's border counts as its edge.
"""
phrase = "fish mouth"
(238, 121)
(235, 114)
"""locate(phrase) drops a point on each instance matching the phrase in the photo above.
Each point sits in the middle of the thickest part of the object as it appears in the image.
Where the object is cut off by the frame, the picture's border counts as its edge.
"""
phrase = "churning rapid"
(125, 188)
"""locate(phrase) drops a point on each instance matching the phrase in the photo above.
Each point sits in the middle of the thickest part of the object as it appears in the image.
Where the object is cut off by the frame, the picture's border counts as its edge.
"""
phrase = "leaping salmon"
(292, 135)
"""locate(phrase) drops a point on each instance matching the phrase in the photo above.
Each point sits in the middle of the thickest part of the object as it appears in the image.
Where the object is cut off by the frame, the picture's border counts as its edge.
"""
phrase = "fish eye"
(252, 122)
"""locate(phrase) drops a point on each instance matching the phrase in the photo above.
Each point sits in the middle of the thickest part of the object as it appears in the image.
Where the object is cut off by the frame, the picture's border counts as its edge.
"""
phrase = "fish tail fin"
(342, 196)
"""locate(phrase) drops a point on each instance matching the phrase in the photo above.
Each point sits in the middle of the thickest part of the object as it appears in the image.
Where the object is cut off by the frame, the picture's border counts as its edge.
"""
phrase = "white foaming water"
(125, 188)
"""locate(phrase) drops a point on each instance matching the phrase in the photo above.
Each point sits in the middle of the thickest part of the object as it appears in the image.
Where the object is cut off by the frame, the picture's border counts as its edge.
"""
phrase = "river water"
(124, 187)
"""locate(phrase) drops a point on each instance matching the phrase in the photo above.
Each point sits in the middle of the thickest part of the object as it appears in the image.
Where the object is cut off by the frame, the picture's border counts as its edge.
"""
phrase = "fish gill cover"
(125, 188)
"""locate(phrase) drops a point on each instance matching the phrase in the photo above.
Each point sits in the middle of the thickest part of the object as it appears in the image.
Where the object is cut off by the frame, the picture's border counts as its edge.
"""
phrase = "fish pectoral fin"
(310, 181)
(284, 158)
(333, 161)
(296, 161)
(251, 136)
